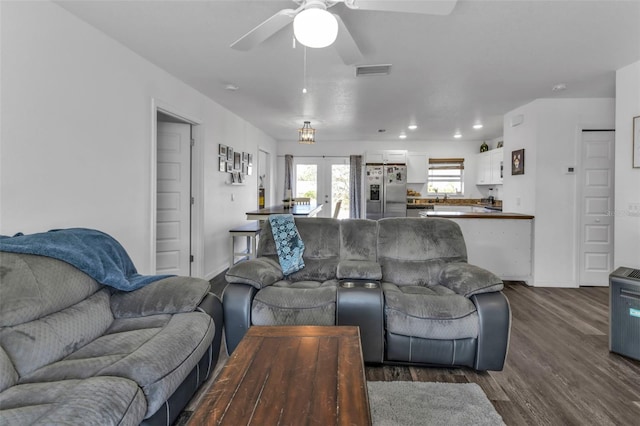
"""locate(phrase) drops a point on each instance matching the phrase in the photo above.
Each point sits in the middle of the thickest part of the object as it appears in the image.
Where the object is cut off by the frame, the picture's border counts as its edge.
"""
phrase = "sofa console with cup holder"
(405, 282)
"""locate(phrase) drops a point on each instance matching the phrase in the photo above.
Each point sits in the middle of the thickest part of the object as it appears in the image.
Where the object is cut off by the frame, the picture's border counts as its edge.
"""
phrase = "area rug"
(425, 403)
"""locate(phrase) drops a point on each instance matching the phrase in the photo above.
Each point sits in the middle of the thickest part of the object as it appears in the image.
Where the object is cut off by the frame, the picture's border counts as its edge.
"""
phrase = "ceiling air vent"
(373, 70)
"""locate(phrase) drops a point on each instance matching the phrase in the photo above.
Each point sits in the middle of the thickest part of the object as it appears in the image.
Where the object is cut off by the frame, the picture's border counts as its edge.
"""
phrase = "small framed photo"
(249, 170)
(245, 157)
(250, 161)
(222, 150)
(237, 160)
(517, 162)
(245, 169)
(229, 166)
(229, 153)
(636, 142)
(222, 163)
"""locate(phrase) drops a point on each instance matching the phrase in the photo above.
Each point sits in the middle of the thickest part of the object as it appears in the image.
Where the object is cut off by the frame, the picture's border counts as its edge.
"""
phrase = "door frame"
(197, 190)
(579, 192)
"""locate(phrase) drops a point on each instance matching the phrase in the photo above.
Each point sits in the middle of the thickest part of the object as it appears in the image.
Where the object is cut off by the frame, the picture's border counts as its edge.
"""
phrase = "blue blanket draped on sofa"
(93, 252)
(289, 245)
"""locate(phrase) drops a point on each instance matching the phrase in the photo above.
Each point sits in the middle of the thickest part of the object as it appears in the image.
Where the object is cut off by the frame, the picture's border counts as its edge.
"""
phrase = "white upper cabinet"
(416, 167)
(490, 167)
(386, 157)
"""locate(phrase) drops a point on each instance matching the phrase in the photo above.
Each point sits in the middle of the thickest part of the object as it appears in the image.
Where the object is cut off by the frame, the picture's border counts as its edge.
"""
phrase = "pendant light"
(307, 134)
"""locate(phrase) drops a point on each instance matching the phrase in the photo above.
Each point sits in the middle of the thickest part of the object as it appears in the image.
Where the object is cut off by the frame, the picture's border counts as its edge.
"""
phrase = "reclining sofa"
(404, 281)
(75, 352)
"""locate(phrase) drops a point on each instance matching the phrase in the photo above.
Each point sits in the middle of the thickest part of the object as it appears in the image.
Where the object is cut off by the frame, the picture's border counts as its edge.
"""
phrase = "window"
(445, 176)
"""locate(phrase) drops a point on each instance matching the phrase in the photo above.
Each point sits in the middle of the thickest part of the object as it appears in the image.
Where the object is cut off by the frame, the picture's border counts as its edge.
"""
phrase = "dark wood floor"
(559, 370)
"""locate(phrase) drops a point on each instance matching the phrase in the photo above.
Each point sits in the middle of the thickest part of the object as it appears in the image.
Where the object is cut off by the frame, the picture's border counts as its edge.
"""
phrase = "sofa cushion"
(94, 401)
(155, 352)
(36, 286)
(8, 374)
(168, 296)
(359, 270)
(412, 251)
(296, 303)
(434, 312)
(321, 237)
(40, 342)
(358, 239)
(258, 273)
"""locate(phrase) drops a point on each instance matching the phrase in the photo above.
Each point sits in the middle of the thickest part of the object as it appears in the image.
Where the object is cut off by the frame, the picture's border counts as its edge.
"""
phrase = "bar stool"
(251, 231)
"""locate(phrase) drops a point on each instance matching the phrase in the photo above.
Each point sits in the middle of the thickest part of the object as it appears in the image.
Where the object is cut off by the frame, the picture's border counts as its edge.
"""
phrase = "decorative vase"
(484, 147)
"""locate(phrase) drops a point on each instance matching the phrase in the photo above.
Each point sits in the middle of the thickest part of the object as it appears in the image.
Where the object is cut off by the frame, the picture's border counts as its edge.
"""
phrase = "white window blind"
(445, 176)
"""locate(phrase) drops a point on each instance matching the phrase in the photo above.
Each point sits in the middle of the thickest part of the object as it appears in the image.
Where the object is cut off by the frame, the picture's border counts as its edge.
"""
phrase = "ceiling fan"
(312, 20)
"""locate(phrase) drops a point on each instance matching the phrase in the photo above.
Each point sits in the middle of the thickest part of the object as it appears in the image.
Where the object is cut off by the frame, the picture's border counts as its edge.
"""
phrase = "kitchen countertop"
(471, 215)
(425, 206)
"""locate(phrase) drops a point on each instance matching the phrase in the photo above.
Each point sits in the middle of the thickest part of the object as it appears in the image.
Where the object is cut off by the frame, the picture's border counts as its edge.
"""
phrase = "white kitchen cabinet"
(416, 167)
(489, 167)
(386, 157)
(497, 161)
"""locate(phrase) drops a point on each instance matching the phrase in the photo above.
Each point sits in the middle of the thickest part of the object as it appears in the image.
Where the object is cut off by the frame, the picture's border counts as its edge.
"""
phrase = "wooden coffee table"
(290, 375)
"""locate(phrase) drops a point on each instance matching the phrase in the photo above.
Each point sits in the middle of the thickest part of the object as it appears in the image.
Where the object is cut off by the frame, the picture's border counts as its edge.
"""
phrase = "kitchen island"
(501, 242)
(296, 210)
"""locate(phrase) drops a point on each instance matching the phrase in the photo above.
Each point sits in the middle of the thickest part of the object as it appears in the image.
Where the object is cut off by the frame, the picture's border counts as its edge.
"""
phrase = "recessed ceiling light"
(412, 127)
(559, 87)
(457, 135)
(231, 87)
(402, 136)
(477, 126)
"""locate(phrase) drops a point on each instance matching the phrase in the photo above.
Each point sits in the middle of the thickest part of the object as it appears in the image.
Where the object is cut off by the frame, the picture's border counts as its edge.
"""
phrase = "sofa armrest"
(359, 270)
(494, 320)
(467, 280)
(259, 273)
(168, 296)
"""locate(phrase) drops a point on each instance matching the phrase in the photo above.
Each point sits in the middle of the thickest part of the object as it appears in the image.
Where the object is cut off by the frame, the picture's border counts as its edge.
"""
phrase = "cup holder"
(352, 284)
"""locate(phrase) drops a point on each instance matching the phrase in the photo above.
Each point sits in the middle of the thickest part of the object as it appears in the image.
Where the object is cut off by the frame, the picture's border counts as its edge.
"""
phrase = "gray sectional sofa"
(75, 352)
(404, 281)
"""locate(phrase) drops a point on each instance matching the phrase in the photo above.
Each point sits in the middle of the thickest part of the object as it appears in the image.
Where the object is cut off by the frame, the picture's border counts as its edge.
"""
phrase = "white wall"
(76, 136)
(346, 148)
(550, 135)
(627, 227)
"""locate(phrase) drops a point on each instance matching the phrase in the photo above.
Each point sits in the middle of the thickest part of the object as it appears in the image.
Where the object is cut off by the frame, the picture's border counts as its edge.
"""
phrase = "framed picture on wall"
(237, 160)
(636, 142)
(229, 153)
(517, 162)
(250, 161)
(222, 164)
(229, 167)
(222, 150)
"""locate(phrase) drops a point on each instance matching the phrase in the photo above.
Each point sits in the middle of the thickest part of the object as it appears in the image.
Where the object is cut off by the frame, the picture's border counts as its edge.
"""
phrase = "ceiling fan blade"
(264, 30)
(346, 45)
(429, 7)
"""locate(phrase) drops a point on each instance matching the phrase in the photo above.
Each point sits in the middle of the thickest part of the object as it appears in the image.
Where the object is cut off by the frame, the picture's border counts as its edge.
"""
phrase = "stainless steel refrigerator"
(386, 190)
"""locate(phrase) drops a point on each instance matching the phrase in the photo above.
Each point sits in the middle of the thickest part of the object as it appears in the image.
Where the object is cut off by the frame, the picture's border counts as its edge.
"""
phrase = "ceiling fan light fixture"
(315, 27)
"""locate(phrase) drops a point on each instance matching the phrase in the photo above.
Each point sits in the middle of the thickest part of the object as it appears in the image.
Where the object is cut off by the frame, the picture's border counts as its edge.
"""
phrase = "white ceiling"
(481, 61)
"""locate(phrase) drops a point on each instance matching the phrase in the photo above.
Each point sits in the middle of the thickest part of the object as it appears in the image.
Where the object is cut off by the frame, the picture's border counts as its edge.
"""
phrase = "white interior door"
(325, 181)
(173, 223)
(596, 213)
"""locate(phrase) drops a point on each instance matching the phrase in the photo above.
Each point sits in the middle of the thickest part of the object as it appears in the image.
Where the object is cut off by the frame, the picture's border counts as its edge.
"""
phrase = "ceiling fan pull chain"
(304, 73)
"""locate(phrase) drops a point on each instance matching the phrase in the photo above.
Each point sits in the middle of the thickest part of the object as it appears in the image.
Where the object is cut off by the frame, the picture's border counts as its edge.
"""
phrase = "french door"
(325, 180)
